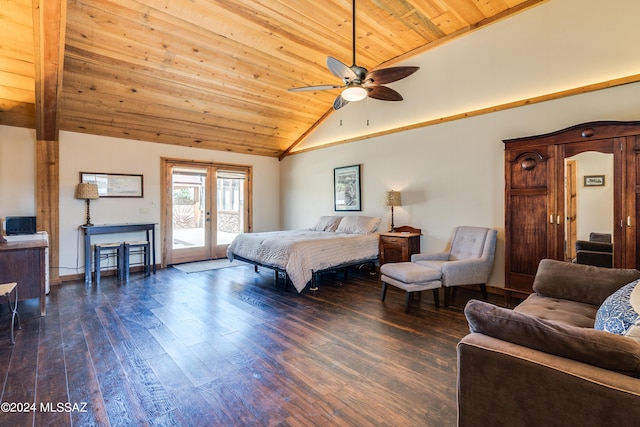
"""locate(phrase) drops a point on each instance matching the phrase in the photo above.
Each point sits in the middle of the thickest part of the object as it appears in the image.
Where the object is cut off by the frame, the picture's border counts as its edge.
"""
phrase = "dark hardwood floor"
(228, 347)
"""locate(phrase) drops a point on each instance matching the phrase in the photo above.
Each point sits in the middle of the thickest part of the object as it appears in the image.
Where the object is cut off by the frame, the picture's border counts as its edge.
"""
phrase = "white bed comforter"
(301, 252)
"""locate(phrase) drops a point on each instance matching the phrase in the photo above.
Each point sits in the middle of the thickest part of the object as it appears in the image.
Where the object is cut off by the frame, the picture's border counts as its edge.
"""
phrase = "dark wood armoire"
(535, 216)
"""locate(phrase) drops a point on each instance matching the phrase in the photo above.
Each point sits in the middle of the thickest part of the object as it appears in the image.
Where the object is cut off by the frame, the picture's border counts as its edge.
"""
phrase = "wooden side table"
(398, 246)
(25, 262)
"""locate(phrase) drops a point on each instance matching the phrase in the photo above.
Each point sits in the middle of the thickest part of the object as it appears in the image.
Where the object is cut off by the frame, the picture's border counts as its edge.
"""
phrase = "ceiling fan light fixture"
(354, 93)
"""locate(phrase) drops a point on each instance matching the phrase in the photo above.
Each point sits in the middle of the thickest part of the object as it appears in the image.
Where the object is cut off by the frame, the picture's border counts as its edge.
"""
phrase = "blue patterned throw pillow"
(616, 315)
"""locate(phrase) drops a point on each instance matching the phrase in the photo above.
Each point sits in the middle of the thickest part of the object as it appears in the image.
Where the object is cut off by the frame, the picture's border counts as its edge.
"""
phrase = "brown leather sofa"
(543, 364)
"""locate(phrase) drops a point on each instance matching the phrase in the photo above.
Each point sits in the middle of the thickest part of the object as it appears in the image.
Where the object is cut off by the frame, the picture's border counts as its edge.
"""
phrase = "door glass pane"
(230, 203)
(189, 198)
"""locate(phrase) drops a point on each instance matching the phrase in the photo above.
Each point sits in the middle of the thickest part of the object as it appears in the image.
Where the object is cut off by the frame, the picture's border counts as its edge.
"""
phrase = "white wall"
(450, 174)
(17, 172)
(89, 153)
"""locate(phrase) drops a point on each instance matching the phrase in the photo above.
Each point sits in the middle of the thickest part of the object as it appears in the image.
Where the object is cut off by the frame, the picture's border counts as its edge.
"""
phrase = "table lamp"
(392, 199)
(88, 192)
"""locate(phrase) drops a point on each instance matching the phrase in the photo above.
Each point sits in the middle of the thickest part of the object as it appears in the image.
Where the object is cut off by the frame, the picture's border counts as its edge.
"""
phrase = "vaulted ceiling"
(211, 73)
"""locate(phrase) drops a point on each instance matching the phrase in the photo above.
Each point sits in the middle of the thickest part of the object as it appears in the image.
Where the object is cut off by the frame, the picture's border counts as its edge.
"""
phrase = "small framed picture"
(346, 188)
(594, 180)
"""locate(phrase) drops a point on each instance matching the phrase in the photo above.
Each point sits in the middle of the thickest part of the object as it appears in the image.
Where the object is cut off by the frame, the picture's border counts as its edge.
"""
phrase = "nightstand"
(398, 246)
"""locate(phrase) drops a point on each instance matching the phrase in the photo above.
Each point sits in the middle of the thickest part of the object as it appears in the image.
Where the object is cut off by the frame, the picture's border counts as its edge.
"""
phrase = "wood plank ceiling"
(215, 74)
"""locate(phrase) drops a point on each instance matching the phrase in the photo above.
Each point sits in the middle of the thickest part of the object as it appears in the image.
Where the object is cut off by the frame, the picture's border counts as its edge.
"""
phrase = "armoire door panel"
(632, 202)
(527, 239)
(529, 170)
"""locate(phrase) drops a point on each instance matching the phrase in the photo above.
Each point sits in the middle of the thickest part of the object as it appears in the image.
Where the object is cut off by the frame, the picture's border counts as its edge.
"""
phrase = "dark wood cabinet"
(535, 199)
(398, 247)
(24, 263)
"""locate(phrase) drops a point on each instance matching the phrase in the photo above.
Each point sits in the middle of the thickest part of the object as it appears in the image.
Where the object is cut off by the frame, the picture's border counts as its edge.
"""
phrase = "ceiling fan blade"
(384, 93)
(388, 75)
(339, 102)
(313, 88)
(340, 70)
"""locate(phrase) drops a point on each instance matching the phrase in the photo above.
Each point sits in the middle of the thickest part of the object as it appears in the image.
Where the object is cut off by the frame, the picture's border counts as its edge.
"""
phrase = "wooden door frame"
(166, 164)
(570, 209)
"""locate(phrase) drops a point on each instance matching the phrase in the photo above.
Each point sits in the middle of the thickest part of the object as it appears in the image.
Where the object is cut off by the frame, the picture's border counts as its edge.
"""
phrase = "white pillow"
(634, 300)
(327, 223)
(358, 224)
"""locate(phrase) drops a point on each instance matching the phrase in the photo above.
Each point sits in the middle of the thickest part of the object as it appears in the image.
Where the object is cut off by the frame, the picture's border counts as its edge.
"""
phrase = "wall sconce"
(392, 198)
(88, 192)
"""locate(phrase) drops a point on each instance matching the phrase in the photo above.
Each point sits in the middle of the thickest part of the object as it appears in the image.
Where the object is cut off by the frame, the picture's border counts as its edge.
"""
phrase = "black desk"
(90, 230)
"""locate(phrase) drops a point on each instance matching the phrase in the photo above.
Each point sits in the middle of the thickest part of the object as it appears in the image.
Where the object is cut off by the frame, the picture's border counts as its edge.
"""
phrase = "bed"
(333, 243)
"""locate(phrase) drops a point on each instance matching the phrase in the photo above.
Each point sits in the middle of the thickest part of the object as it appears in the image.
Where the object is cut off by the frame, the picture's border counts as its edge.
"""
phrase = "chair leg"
(121, 263)
(447, 296)
(407, 301)
(436, 297)
(96, 267)
(127, 260)
(483, 289)
(147, 260)
(452, 300)
(384, 291)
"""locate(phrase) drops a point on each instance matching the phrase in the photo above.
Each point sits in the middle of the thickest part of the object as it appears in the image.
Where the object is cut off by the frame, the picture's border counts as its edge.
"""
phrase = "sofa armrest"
(578, 282)
(537, 388)
(434, 256)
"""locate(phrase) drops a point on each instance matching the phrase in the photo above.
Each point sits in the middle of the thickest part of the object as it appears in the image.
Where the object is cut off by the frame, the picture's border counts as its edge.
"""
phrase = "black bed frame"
(315, 274)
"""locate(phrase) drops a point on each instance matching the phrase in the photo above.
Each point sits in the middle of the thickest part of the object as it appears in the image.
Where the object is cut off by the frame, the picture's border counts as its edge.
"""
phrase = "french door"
(205, 205)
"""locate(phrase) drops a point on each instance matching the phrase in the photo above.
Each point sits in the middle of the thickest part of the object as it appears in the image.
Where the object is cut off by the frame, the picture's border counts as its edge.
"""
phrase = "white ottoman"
(412, 278)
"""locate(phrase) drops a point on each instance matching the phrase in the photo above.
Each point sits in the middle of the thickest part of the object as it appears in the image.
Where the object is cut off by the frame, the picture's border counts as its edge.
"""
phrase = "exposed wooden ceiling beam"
(49, 23)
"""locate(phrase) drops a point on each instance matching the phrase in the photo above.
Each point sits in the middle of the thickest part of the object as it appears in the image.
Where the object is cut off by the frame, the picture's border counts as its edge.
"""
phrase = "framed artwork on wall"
(346, 188)
(594, 180)
(115, 184)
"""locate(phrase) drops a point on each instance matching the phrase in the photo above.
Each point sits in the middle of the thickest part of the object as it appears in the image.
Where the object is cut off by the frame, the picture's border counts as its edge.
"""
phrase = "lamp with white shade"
(392, 198)
(87, 191)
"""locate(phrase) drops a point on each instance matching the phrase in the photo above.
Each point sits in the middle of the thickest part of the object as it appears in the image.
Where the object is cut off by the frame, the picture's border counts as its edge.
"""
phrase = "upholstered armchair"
(598, 250)
(468, 261)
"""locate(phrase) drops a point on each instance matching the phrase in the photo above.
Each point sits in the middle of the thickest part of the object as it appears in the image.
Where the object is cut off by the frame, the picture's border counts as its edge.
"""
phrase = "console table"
(24, 262)
(92, 230)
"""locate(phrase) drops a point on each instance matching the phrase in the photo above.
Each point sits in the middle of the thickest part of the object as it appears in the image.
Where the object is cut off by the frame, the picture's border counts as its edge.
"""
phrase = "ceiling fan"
(358, 82)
